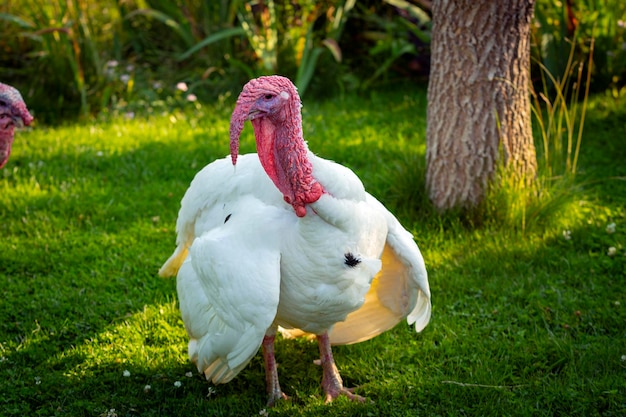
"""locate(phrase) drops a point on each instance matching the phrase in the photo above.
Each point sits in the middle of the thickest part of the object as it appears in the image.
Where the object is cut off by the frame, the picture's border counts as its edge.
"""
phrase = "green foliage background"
(82, 57)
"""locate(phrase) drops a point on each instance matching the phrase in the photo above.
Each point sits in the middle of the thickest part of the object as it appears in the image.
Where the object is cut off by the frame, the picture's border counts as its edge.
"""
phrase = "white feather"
(250, 264)
(229, 289)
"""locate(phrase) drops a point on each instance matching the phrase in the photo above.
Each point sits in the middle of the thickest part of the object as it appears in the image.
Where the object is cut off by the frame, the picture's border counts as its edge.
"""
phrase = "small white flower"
(157, 85)
(211, 391)
(99, 153)
(623, 358)
(147, 388)
(263, 413)
(126, 373)
(567, 235)
(612, 251)
(37, 380)
(617, 303)
(188, 374)
(125, 78)
(112, 63)
(178, 384)
(129, 115)
(610, 228)
(192, 97)
(182, 86)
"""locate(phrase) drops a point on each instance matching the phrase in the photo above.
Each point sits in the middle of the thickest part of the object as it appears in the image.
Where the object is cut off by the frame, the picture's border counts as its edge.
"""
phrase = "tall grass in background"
(406, 33)
(577, 47)
(57, 46)
(288, 38)
(560, 119)
(558, 111)
(87, 55)
(576, 22)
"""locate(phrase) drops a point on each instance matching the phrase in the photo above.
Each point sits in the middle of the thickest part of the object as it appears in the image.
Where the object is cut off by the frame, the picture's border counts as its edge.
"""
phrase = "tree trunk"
(478, 98)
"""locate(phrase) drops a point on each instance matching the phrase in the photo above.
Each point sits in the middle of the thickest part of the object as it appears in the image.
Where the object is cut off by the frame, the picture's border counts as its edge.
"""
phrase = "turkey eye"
(269, 96)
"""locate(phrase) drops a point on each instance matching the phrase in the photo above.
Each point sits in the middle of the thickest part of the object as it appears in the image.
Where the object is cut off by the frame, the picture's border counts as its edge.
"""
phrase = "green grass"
(524, 324)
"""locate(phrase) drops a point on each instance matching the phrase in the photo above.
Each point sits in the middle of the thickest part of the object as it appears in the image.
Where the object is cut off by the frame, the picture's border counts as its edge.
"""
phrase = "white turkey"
(286, 241)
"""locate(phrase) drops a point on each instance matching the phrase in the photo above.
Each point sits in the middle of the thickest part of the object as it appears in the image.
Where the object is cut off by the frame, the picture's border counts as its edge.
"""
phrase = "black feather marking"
(227, 217)
(351, 260)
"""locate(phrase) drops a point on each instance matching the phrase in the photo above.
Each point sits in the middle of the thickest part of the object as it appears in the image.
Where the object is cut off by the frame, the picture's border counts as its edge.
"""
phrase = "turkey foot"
(274, 393)
(331, 380)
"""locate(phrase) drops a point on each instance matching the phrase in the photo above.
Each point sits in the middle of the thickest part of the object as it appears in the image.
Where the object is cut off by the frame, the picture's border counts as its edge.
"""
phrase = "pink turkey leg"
(274, 393)
(331, 380)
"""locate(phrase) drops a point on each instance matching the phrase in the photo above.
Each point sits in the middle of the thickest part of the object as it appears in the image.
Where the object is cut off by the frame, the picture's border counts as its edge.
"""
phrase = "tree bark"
(478, 98)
